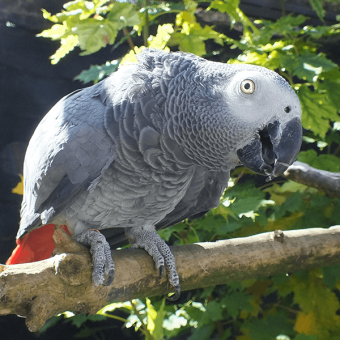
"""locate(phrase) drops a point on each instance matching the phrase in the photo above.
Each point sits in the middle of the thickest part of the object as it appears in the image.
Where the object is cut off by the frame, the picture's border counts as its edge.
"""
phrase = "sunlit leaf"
(97, 72)
(308, 65)
(317, 111)
(155, 319)
(123, 14)
(66, 45)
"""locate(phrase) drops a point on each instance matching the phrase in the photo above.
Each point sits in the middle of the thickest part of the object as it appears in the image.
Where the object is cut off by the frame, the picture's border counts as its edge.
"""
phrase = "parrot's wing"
(203, 194)
(67, 154)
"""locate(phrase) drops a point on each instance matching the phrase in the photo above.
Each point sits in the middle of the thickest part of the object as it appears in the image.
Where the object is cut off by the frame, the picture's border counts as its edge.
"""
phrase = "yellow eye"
(247, 86)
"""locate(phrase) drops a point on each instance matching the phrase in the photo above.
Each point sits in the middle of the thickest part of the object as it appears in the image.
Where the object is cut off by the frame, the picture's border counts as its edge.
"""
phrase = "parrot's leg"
(149, 240)
(101, 256)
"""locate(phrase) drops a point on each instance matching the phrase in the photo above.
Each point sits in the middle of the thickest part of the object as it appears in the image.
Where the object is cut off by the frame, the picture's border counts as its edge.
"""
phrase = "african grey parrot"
(152, 145)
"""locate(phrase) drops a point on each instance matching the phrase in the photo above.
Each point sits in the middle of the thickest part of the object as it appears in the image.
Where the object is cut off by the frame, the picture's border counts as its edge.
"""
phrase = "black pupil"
(287, 109)
(247, 86)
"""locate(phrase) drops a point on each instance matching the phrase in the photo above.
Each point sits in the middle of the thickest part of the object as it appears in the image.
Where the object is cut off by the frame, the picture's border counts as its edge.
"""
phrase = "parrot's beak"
(275, 150)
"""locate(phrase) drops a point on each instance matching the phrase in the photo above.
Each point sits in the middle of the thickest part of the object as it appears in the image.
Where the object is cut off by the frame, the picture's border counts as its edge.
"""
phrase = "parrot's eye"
(247, 86)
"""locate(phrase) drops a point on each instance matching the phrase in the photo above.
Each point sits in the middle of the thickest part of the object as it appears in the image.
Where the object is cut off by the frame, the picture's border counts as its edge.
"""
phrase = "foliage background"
(300, 306)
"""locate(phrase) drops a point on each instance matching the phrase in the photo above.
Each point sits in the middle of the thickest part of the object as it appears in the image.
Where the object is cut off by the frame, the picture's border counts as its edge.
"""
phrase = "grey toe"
(160, 252)
(101, 256)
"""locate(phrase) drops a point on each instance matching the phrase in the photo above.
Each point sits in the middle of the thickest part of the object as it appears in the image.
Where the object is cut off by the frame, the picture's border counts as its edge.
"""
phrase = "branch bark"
(326, 181)
(42, 289)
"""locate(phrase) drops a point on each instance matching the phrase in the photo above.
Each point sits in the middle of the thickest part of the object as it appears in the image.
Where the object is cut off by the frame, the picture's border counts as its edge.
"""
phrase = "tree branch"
(326, 181)
(42, 289)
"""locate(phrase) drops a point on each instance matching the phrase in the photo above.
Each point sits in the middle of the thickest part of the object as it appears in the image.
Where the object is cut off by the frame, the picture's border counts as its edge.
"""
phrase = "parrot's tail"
(35, 246)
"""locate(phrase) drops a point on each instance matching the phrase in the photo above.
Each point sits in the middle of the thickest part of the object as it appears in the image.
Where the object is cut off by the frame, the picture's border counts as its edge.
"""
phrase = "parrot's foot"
(150, 241)
(101, 256)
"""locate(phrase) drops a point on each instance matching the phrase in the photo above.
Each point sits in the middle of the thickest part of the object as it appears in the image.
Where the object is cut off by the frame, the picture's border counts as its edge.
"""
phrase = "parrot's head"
(266, 114)
(223, 115)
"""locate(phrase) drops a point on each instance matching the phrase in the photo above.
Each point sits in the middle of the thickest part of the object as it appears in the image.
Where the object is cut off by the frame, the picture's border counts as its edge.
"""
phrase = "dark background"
(30, 86)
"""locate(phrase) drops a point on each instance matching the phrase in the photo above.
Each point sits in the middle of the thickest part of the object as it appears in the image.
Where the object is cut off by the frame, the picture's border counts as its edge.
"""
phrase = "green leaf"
(237, 301)
(213, 312)
(317, 6)
(285, 26)
(83, 23)
(97, 72)
(305, 337)
(271, 61)
(94, 34)
(166, 233)
(48, 16)
(330, 275)
(210, 221)
(280, 279)
(188, 43)
(49, 323)
(162, 37)
(202, 333)
(78, 320)
(231, 227)
(191, 38)
(96, 317)
(308, 65)
(330, 82)
(195, 310)
(55, 32)
(245, 198)
(231, 7)
(155, 319)
(292, 204)
(322, 162)
(316, 301)
(268, 328)
(83, 9)
(156, 10)
(317, 110)
(123, 14)
(321, 31)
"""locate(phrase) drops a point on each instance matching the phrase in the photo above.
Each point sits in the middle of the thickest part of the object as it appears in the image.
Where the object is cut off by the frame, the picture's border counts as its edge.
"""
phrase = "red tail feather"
(35, 246)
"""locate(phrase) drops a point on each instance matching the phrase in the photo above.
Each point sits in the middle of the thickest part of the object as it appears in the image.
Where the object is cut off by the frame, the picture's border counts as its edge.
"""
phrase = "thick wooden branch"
(42, 289)
(326, 181)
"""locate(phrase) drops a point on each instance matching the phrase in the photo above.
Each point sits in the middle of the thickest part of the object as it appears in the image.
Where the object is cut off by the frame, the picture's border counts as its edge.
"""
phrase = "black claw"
(161, 271)
(176, 295)
(110, 278)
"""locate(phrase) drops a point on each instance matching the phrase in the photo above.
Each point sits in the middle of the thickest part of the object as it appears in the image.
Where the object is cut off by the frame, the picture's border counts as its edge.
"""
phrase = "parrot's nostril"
(288, 109)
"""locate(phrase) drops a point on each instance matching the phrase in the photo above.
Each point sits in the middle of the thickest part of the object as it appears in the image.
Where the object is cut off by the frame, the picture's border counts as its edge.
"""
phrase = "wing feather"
(67, 154)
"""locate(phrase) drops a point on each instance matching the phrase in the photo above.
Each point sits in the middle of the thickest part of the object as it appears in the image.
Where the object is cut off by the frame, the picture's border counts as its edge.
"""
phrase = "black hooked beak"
(275, 150)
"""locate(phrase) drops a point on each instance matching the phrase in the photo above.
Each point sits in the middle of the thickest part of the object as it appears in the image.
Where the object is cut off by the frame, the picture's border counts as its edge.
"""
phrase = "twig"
(128, 38)
(143, 329)
(326, 181)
